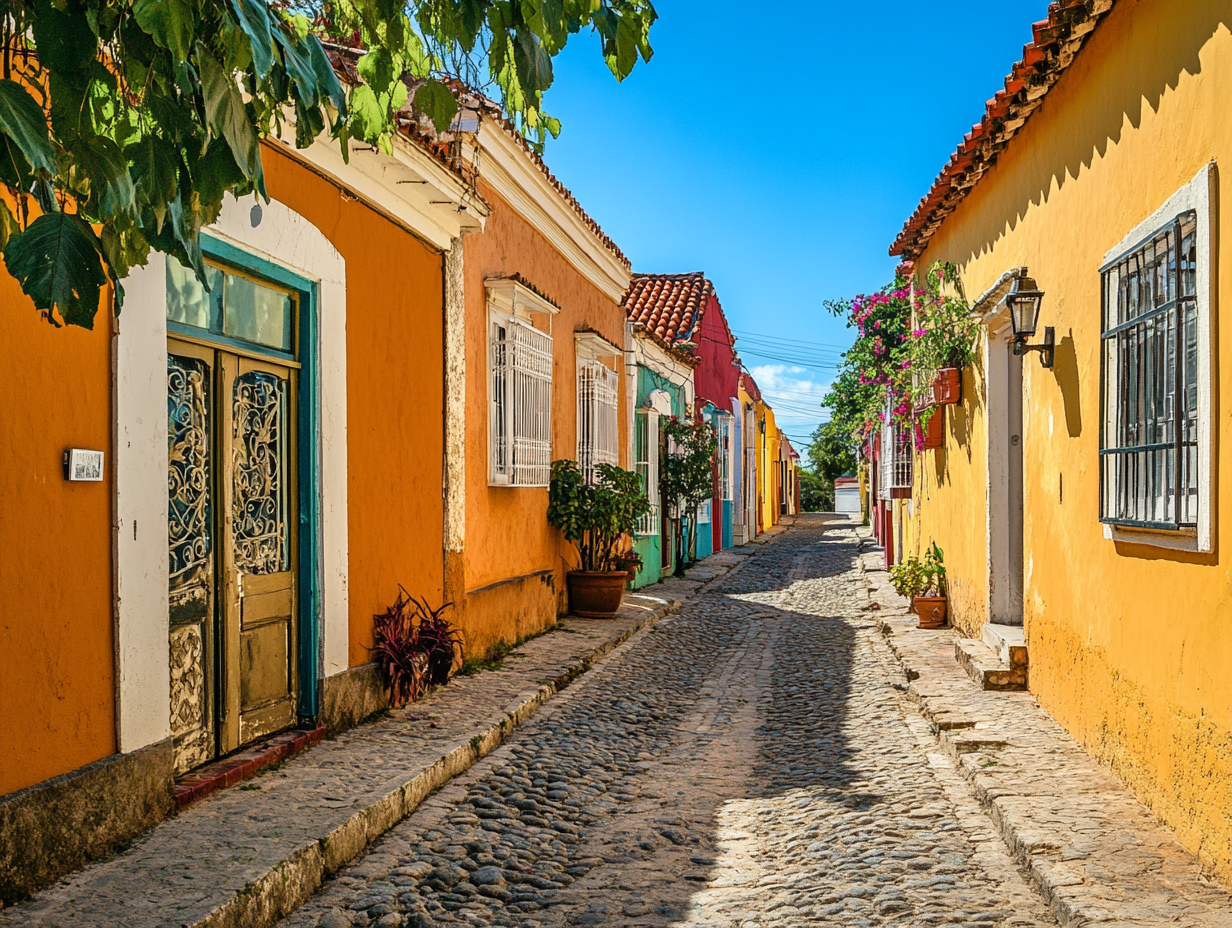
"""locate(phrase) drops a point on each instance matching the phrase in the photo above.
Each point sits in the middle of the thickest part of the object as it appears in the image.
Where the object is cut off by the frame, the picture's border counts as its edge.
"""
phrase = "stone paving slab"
(250, 855)
(1098, 856)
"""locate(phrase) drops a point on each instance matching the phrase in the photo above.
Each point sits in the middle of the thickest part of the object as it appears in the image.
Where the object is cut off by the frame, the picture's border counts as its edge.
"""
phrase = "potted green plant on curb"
(598, 519)
(922, 580)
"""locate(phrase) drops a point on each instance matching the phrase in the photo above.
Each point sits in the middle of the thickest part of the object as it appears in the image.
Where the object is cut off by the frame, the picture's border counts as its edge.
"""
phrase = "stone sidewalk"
(1098, 856)
(248, 856)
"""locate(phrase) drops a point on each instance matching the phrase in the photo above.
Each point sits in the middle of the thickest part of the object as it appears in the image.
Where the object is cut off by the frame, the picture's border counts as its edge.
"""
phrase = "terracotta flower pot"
(947, 388)
(934, 432)
(931, 610)
(595, 595)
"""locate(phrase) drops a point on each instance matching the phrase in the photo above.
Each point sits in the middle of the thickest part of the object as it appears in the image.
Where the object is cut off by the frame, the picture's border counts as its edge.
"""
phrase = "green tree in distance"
(123, 123)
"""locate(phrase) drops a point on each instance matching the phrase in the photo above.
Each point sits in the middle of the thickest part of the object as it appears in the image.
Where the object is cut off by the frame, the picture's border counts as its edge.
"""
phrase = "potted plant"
(945, 339)
(922, 580)
(598, 519)
(630, 562)
(414, 646)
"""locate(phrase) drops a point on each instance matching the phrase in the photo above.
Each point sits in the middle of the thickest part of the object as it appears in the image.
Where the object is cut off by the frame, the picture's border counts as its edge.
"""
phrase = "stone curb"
(287, 885)
(966, 735)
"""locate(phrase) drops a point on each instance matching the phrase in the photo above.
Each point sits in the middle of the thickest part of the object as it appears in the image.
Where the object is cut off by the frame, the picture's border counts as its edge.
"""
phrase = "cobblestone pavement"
(1092, 849)
(750, 761)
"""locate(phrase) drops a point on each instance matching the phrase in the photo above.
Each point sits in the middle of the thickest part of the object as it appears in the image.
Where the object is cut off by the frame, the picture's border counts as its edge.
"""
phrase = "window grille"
(520, 405)
(647, 443)
(1149, 382)
(598, 431)
(896, 457)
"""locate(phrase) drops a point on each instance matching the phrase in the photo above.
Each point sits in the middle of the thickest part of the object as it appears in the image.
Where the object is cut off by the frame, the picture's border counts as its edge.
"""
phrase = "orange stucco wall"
(395, 396)
(507, 533)
(57, 673)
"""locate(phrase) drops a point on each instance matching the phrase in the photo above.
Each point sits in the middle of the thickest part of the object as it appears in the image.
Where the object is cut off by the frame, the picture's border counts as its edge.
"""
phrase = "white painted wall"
(847, 500)
(140, 352)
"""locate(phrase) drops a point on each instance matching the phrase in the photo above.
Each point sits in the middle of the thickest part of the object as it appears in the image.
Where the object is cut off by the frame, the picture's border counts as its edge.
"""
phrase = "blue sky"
(780, 151)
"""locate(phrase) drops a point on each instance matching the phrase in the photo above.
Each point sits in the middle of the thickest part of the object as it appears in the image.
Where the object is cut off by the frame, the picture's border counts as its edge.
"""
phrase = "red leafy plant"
(414, 646)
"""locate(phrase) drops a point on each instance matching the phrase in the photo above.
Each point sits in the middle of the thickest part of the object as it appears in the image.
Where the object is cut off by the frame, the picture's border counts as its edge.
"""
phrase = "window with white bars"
(646, 443)
(896, 456)
(520, 404)
(598, 429)
(1149, 444)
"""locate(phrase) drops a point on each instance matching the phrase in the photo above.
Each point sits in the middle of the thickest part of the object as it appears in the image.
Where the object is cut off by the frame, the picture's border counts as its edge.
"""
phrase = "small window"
(598, 430)
(236, 306)
(1149, 436)
(520, 404)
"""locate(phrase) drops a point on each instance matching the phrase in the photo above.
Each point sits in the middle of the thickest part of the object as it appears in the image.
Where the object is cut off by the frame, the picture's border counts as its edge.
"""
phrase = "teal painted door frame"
(308, 454)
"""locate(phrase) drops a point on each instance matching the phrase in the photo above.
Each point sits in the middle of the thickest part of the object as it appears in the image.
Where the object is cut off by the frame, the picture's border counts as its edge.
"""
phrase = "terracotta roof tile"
(669, 305)
(1056, 41)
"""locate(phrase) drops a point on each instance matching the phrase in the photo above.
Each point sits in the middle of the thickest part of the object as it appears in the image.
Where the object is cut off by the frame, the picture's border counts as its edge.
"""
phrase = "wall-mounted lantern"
(1023, 302)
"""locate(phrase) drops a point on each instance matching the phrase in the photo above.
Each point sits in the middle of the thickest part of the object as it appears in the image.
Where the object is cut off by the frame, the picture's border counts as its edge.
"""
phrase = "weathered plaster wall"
(394, 397)
(57, 696)
(1130, 645)
(508, 540)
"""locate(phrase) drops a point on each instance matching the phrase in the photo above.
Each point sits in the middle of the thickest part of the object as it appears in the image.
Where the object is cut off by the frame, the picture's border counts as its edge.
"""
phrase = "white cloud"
(795, 399)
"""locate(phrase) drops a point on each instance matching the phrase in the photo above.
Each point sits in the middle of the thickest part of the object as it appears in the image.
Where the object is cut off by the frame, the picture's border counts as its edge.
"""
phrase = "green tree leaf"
(254, 19)
(437, 102)
(57, 262)
(169, 23)
(23, 124)
(224, 108)
(111, 188)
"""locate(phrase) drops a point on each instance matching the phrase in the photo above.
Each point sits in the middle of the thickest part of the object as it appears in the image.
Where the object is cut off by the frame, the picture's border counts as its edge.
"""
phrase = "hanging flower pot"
(932, 432)
(947, 387)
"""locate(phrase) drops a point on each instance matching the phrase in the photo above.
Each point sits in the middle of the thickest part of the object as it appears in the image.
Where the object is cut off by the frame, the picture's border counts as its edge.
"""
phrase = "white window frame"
(897, 470)
(1196, 196)
(647, 465)
(598, 404)
(724, 421)
(520, 363)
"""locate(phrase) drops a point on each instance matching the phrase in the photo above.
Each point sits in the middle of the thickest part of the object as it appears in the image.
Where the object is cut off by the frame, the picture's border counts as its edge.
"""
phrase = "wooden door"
(232, 532)
(258, 601)
(192, 549)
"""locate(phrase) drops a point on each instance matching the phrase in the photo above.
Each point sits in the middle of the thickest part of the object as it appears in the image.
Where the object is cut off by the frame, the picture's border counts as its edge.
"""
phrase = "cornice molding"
(521, 183)
(409, 187)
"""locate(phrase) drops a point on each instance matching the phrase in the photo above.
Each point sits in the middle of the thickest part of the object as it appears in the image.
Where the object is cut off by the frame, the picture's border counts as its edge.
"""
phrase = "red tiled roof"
(669, 305)
(1057, 40)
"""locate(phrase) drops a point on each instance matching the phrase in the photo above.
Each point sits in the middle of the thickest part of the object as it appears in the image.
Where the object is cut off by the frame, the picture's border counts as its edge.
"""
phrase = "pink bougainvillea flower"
(919, 333)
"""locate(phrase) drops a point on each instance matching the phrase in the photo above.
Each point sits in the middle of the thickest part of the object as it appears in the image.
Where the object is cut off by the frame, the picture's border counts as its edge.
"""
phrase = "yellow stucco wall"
(1130, 646)
(767, 467)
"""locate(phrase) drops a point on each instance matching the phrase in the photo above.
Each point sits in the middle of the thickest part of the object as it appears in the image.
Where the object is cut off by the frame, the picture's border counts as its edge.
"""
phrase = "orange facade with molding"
(395, 395)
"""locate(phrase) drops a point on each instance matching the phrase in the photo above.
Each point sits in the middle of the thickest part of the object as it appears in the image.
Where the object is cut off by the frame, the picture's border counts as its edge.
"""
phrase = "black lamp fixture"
(1023, 302)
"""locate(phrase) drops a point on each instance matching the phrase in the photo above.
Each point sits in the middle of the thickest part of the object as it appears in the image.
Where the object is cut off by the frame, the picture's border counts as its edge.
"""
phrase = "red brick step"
(243, 765)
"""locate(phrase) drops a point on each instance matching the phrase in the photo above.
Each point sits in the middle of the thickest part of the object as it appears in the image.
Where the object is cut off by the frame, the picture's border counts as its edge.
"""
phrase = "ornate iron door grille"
(1149, 382)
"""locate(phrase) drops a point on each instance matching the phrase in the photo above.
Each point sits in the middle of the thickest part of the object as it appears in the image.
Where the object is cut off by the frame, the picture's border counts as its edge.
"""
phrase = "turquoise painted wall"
(649, 547)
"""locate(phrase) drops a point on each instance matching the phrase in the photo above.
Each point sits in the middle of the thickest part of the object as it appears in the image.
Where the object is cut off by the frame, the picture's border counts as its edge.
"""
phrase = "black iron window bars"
(1149, 382)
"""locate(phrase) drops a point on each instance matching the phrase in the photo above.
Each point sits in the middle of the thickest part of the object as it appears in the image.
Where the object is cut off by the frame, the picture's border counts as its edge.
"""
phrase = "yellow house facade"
(1082, 501)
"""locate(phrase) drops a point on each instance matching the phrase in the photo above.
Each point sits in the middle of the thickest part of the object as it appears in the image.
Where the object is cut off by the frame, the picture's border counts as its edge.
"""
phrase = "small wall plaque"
(82, 464)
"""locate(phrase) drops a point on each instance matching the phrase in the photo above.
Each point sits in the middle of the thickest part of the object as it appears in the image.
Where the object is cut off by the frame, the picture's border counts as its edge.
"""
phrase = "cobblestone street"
(749, 761)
